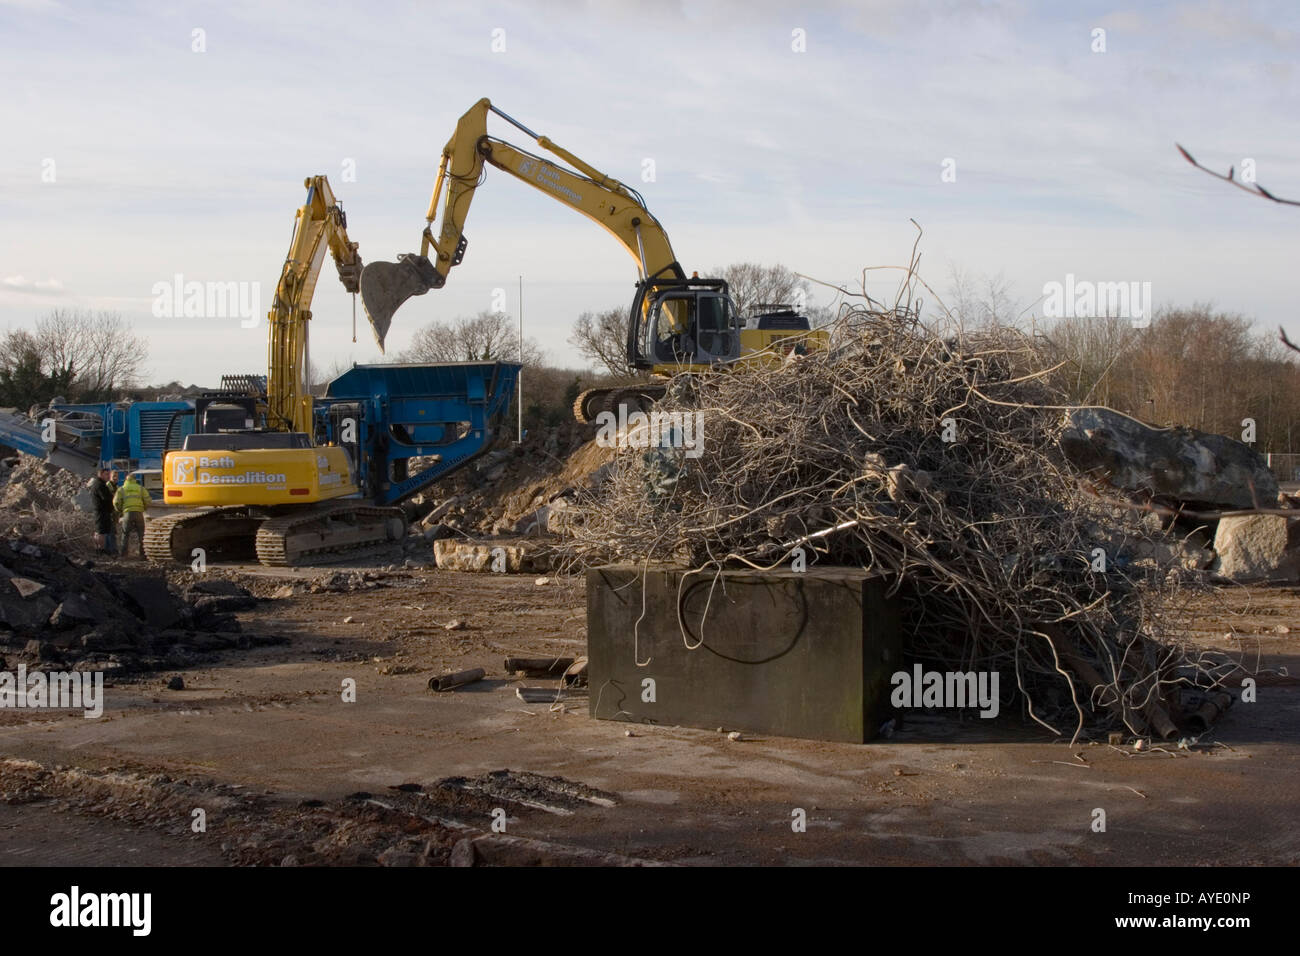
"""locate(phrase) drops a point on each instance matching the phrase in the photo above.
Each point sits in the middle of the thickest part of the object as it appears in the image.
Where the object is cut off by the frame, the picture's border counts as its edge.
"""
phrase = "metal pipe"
(514, 122)
(458, 679)
(519, 381)
(640, 248)
(437, 190)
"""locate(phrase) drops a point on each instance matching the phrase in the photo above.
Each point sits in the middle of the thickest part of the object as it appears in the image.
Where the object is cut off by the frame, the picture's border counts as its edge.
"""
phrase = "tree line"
(1195, 366)
(78, 355)
(1192, 366)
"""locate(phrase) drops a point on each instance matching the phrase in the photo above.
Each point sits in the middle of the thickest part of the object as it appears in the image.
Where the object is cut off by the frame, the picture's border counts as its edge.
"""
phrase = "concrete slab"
(775, 652)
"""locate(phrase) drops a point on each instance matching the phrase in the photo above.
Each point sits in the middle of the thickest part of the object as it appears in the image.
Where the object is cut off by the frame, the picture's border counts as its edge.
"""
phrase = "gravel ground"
(288, 772)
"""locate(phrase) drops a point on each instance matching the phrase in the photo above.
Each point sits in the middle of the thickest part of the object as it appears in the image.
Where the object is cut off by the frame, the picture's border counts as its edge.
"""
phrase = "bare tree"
(977, 302)
(752, 284)
(320, 378)
(1093, 349)
(85, 356)
(1255, 189)
(1192, 366)
(486, 337)
(601, 338)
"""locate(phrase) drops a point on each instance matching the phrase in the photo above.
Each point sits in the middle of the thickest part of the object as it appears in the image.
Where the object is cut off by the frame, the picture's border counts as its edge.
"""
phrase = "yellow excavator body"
(256, 476)
(257, 484)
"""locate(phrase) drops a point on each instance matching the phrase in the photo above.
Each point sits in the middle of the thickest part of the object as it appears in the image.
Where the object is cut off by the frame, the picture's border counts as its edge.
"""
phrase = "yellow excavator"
(676, 323)
(252, 463)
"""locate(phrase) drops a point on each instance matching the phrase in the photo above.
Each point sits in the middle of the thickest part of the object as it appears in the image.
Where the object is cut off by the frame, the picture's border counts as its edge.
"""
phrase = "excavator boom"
(675, 323)
(319, 224)
(288, 478)
(609, 203)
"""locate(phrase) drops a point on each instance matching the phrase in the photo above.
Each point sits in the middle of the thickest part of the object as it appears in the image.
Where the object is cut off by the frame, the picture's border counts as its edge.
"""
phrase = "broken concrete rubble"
(1156, 548)
(510, 485)
(346, 581)
(533, 523)
(456, 554)
(56, 610)
(1176, 464)
(436, 532)
(1257, 547)
(435, 516)
(32, 484)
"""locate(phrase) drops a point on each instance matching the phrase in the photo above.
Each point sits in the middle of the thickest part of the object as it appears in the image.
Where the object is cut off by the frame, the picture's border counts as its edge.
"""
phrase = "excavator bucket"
(386, 285)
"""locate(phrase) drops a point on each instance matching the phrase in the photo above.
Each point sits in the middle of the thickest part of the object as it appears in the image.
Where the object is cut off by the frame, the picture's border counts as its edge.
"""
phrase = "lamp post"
(519, 382)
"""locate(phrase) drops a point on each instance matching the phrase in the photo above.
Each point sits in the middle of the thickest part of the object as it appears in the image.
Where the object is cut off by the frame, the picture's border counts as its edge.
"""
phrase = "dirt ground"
(285, 771)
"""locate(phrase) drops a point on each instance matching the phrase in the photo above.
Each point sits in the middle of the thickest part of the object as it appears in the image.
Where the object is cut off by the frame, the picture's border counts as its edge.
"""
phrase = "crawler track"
(295, 538)
(279, 540)
(173, 537)
(637, 398)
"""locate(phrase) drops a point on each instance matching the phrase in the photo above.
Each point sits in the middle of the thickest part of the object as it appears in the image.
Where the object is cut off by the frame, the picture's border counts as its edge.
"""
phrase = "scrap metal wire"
(933, 461)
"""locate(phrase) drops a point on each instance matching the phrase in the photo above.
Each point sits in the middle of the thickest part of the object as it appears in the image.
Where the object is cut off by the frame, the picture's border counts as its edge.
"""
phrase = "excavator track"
(280, 541)
(291, 539)
(173, 537)
(589, 404)
(637, 398)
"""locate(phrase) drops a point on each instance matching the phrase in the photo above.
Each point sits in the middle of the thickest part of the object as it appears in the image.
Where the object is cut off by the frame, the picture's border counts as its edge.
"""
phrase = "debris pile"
(31, 485)
(1178, 466)
(513, 557)
(936, 463)
(515, 489)
(45, 504)
(60, 612)
(343, 582)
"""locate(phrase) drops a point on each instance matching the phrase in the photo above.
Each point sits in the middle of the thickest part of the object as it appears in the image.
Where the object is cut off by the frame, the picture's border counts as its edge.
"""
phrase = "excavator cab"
(683, 322)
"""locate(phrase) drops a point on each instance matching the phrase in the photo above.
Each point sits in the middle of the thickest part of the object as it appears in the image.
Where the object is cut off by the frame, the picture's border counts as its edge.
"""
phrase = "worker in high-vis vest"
(131, 502)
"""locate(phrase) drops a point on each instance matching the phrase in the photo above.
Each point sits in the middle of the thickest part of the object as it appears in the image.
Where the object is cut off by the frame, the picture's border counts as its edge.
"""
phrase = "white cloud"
(1242, 22)
(34, 286)
(1129, 21)
(32, 5)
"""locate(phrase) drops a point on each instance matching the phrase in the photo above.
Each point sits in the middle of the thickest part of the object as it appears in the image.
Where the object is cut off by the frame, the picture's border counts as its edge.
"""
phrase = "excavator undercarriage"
(276, 537)
(590, 404)
(382, 434)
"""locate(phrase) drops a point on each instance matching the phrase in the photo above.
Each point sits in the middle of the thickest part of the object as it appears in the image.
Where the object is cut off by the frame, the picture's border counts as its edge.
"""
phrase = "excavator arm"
(320, 224)
(616, 207)
(675, 323)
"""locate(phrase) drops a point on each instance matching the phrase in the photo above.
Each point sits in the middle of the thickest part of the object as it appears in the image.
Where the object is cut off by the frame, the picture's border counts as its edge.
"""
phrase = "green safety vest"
(130, 497)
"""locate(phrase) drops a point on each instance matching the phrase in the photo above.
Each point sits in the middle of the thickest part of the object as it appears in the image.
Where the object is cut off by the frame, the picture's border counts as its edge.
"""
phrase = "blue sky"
(172, 161)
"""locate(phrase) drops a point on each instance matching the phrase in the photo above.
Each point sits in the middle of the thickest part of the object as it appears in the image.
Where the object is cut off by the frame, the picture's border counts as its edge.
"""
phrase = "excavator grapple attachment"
(386, 285)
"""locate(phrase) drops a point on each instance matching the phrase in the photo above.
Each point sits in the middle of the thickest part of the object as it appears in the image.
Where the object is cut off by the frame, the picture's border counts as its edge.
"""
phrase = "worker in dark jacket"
(102, 490)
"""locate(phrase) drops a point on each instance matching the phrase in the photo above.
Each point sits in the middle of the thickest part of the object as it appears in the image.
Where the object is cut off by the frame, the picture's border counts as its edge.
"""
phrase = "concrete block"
(1251, 547)
(459, 554)
(793, 654)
